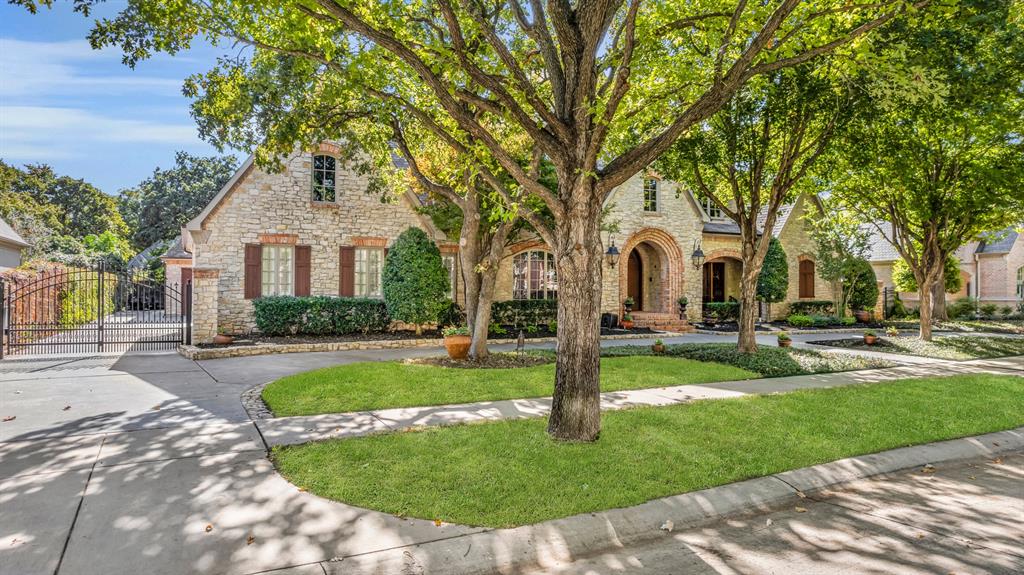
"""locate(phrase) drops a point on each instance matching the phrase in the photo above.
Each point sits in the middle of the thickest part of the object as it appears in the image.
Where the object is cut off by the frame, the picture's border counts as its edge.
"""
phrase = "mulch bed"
(493, 361)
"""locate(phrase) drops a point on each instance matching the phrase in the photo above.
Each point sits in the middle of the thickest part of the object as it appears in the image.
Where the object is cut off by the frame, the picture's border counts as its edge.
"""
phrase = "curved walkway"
(149, 464)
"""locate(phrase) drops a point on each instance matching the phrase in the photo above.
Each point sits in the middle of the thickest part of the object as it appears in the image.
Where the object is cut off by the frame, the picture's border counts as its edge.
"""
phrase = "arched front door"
(634, 280)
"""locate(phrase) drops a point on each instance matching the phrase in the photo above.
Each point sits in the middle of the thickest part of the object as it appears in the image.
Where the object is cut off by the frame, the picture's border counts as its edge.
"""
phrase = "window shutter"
(347, 271)
(303, 256)
(253, 281)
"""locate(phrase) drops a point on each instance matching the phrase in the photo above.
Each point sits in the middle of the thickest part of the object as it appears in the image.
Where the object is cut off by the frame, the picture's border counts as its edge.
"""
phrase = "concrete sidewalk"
(302, 429)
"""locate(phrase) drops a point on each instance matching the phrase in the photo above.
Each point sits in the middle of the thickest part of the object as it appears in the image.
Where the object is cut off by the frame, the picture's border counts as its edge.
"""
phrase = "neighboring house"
(991, 270)
(313, 229)
(11, 246)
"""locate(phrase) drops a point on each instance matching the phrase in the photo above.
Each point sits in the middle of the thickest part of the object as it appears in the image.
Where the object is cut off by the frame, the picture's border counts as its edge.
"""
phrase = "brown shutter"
(347, 271)
(253, 270)
(303, 256)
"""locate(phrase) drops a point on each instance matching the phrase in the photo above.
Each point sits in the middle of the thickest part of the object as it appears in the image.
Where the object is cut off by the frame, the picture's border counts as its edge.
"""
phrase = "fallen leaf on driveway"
(768, 522)
(998, 461)
(995, 443)
(10, 418)
(66, 407)
(209, 527)
(156, 408)
(920, 535)
(437, 523)
(801, 510)
(801, 494)
(668, 525)
(250, 540)
(971, 477)
(929, 468)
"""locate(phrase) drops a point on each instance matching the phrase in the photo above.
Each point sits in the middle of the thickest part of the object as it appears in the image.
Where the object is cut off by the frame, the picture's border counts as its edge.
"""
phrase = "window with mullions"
(533, 276)
(324, 178)
(650, 195)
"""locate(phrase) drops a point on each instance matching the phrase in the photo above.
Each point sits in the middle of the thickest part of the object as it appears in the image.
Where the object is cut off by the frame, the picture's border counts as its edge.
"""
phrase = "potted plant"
(870, 337)
(223, 337)
(784, 339)
(658, 347)
(627, 304)
(457, 341)
(682, 306)
(627, 321)
(862, 315)
(892, 331)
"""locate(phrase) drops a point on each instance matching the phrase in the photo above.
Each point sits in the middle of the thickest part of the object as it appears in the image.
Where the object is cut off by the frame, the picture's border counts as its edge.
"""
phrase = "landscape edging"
(561, 540)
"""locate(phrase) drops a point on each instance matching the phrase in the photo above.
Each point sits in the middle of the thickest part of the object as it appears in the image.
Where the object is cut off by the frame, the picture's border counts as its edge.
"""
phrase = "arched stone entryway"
(651, 271)
(721, 276)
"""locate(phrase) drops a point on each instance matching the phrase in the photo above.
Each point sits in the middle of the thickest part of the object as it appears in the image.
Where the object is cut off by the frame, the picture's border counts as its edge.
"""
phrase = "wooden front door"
(714, 281)
(635, 280)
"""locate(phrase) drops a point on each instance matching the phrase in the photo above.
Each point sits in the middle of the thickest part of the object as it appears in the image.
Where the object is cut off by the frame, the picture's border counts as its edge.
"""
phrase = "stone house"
(991, 269)
(313, 229)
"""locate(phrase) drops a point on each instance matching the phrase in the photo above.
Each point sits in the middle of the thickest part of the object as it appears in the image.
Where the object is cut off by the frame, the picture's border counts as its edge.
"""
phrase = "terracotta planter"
(627, 324)
(221, 339)
(862, 316)
(870, 339)
(785, 342)
(658, 348)
(458, 346)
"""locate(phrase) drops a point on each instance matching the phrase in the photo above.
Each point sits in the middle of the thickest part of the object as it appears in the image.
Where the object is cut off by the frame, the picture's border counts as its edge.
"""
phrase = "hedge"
(722, 310)
(320, 315)
(812, 307)
(524, 312)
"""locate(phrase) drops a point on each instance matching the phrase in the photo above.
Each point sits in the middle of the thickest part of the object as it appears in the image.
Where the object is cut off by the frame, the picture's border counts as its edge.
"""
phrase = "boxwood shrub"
(523, 312)
(800, 320)
(320, 315)
(723, 310)
(812, 307)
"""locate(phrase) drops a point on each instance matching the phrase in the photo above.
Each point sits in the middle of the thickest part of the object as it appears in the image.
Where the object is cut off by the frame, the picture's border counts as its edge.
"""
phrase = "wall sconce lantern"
(612, 255)
(698, 255)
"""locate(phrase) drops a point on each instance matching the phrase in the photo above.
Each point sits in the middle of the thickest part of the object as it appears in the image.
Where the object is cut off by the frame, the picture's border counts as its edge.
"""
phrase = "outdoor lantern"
(612, 255)
(698, 255)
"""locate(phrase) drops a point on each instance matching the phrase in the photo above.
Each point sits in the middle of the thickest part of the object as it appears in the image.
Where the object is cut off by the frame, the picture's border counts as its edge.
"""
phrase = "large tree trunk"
(748, 309)
(939, 301)
(482, 320)
(576, 405)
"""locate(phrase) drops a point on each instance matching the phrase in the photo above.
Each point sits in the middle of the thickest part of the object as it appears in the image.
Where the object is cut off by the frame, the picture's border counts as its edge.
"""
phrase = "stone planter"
(458, 346)
(785, 342)
(222, 339)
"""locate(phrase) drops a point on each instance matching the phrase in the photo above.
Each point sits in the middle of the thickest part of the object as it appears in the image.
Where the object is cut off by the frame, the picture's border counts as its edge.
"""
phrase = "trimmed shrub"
(812, 307)
(451, 314)
(800, 320)
(862, 292)
(319, 315)
(523, 312)
(962, 308)
(414, 279)
(988, 310)
(773, 281)
(723, 310)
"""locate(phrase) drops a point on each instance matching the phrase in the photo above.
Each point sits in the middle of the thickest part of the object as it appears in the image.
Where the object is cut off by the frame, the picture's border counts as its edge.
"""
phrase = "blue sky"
(81, 110)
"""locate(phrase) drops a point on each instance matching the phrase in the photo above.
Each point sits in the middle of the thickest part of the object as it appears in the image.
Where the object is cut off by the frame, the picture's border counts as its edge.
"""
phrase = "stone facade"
(274, 209)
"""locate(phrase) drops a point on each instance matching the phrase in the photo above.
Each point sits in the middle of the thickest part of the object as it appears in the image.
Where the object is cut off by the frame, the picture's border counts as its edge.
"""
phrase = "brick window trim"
(327, 205)
(448, 249)
(279, 239)
(369, 242)
(205, 273)
(327, 148)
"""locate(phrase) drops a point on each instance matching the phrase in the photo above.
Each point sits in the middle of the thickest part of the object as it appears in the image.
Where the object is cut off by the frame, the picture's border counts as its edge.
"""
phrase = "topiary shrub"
(988, 310)
(523, 312)
(773, 282)
(962, 308)
(800, 320)
(319, 315)
(414, 279)
(812, 307)
(860, 292)
(723, 310)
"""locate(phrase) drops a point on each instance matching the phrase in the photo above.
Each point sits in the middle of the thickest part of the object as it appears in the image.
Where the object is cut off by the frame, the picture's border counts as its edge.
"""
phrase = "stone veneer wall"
(280, 206)
(205, 303)
(798, 244)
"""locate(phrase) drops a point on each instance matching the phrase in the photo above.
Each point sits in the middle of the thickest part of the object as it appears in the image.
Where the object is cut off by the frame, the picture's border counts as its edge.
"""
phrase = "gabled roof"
(7, 234)
(879, 248)
(729, 227)
(998, 242)
(177, 250)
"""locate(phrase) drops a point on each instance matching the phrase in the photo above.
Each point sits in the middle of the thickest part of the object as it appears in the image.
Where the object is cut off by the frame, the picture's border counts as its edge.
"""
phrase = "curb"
(561, 540)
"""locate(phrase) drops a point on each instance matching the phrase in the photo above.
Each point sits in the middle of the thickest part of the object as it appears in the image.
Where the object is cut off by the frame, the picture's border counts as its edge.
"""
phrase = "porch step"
(661, 322)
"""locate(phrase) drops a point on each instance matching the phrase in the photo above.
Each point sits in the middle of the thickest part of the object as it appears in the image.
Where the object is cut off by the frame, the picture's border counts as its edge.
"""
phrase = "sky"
(82, 111)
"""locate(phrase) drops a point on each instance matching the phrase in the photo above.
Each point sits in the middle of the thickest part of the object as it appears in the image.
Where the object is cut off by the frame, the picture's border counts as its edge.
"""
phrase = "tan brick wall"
(276, 208)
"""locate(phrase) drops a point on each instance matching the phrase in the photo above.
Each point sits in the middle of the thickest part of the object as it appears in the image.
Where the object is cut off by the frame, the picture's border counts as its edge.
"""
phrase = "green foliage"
(860, 286)
(988, 310)
(414, 279)
(800, 320)
(451, 314)
(455, 330)
(904, 281)
(319, 315)
(520, 313)
(811, 307)
(161, 204)
(773, 282)
(78, 301)
(722, 310)
(962, 308)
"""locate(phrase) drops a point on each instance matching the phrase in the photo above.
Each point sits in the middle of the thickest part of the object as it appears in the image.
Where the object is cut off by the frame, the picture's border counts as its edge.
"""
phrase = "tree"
(934, 173)
(414, 279)
(842, 242)
(903, 277)
(751, 156)
(161, 204)
(565, 78)
(860, 285)
(773, 282)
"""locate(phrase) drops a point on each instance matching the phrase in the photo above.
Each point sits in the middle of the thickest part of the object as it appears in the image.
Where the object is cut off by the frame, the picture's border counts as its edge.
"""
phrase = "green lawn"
(950, 347)
(380, 385)
(509, 473)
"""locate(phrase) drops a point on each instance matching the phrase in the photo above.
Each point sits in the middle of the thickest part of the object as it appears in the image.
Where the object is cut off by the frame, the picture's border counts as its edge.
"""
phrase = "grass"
(380, 385)
(952, 347)
(509, 473)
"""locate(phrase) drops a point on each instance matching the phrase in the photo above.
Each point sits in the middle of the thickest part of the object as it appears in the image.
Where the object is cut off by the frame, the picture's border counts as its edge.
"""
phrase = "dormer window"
(650, 195)
(323, 178)
(712, 210)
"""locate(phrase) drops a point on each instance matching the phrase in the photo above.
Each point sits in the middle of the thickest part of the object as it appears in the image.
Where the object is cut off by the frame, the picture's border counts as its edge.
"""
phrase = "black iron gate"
(75, 311)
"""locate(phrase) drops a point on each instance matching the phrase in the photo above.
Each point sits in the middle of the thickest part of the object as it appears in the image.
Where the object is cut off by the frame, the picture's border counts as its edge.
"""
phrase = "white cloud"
(36, 132)
(57, 69)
